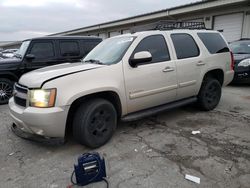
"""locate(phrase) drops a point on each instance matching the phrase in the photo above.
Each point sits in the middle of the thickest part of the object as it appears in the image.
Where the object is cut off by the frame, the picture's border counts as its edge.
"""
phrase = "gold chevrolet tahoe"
(125, 78)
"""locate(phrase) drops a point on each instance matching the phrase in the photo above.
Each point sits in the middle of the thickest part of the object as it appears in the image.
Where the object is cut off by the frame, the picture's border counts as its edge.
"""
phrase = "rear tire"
(6, 89)
(94, 123)
(210, 94)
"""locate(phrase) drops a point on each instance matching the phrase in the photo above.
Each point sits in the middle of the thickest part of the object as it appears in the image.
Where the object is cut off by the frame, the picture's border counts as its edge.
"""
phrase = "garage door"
(229, 25)
(114, 33)
(103, 35)
(126, 31)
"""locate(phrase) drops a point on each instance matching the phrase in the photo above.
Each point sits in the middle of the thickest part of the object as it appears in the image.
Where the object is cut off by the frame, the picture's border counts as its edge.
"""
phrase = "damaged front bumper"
(37, 138)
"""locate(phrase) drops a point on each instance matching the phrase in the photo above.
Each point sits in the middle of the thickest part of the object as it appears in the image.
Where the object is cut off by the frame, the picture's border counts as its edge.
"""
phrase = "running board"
(155, 110)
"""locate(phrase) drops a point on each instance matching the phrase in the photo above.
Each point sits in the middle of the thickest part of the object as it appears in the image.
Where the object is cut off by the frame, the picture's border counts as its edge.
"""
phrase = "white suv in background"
(125, 77)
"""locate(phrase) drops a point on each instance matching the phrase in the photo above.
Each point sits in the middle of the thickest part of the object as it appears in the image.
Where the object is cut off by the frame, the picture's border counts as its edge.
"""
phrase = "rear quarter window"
(214, 42)
(87, 46)
(69, 48)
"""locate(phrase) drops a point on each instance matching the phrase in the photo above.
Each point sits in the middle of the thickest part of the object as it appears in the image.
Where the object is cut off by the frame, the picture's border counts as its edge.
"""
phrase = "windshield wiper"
(94, 61)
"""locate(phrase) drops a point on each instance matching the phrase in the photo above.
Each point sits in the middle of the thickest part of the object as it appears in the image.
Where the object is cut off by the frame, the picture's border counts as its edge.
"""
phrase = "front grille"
(20, 95)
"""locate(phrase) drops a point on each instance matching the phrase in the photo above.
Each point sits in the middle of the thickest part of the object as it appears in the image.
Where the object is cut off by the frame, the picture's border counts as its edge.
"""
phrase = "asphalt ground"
(154, 152)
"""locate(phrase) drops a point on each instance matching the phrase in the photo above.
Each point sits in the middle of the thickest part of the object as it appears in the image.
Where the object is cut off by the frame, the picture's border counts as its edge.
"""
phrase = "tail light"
(232, 61)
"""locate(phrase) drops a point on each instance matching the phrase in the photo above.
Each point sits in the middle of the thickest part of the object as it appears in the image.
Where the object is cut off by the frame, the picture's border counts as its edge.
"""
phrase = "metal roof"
(64, 37)
(137, 16)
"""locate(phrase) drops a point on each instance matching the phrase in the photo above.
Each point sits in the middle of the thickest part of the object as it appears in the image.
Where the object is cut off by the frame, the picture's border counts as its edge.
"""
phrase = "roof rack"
(166, 25)
(169, 25)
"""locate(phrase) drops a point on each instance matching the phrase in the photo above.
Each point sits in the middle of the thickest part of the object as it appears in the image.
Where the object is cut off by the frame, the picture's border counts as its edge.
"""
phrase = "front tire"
(6, 89)
(94, 123)
(210, 94)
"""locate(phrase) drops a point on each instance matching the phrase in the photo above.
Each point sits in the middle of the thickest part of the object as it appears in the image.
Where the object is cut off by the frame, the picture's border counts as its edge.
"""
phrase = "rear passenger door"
(189, 64)
(151, 83)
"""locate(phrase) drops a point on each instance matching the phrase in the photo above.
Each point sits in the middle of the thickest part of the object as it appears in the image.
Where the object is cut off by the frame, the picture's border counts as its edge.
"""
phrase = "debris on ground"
(150, 150)
(196, 132)
(11, 153)
(192, 178)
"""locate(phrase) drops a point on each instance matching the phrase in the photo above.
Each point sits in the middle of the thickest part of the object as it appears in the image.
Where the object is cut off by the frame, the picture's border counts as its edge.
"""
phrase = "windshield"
(240, 47)
(23, 48)
(110, 51)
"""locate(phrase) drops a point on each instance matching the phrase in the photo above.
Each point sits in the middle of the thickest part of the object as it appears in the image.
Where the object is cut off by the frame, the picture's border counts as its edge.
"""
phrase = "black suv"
(40, 52)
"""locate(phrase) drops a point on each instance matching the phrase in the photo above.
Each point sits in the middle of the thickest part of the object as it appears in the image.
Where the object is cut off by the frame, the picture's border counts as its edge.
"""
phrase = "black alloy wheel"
(210, 94)
(94, 123)
(6, 89)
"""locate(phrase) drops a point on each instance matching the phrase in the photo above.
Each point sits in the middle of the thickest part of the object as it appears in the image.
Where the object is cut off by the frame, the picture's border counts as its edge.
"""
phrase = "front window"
(110, 51)
(22, 50)
(240, 47)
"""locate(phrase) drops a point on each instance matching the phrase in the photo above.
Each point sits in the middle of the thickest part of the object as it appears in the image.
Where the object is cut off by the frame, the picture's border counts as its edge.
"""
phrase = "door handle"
(200, 63)
(168, 69)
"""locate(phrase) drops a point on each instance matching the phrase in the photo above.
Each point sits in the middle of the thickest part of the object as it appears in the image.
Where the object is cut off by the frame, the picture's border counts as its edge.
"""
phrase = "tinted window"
(69, 48)
(185, 46)
(156, 45)
(214, 42)
(89, 45)
(43, 50)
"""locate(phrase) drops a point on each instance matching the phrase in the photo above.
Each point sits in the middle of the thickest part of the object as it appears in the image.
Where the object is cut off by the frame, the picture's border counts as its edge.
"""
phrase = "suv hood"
(35, 79)
(239, 57)
(9, 61)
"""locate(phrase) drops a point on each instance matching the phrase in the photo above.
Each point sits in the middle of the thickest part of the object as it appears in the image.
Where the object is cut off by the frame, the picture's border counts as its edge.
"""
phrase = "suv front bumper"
(242, 77)
(43, 122)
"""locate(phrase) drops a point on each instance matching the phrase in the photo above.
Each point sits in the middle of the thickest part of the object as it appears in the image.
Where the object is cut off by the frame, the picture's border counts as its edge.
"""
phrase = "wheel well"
(107, 95)
(218, 74)
(8, 76)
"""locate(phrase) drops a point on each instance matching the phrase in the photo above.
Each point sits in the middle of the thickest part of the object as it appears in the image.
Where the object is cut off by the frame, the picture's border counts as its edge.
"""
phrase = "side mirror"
(140, 57)
(30, 56)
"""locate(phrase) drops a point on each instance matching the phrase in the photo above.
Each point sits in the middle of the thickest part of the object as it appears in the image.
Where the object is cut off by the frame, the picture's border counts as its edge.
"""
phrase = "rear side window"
(185, 46)
(157, 46)
(89, 45)
(69, 48)
(42, 50)
(214, 42)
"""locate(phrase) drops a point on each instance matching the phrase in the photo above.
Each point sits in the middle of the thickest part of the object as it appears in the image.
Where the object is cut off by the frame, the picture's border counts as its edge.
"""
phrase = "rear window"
(69, 48)
(214, 42)
(185, 46)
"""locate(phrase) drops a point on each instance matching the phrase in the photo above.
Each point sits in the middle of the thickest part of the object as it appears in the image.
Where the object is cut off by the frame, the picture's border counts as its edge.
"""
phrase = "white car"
(126, 77)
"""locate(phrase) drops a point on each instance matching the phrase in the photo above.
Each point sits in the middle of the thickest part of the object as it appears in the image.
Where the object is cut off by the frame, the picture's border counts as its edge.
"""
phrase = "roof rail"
(169, 25)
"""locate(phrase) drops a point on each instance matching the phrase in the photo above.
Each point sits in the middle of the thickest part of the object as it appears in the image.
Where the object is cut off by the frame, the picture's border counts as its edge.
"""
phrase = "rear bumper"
(229, 75)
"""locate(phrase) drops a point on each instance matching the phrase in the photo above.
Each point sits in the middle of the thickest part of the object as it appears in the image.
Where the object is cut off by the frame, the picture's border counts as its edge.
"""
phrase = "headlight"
(244, 63)
(42, 98)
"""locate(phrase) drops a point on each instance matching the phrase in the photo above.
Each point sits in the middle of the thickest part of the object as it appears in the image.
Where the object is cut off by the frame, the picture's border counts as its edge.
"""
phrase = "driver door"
(44, 55)
(151, 83)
